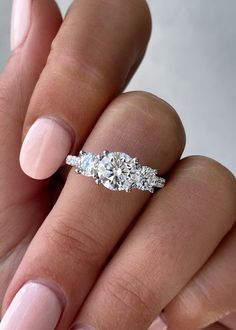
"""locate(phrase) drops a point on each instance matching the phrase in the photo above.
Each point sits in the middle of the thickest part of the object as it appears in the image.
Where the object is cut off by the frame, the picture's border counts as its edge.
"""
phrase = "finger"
(174, 236)
(91, 58)
(76, 239)
(210, 295)
(30, 48)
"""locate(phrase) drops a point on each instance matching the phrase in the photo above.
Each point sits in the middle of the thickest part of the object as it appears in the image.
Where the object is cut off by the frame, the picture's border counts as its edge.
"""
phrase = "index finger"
(95, 53)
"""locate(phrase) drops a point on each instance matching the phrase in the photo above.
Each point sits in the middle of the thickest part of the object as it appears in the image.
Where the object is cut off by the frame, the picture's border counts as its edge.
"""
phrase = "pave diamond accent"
(72, 160)
(116, 171)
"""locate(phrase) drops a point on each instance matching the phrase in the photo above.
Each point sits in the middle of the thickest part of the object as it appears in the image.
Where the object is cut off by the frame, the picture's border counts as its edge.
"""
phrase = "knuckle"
(200, 302)
(69, 67)
(191, 304)
(213, 172)
(208, 296)
(207, 293)
(77, 64)
(84, 63)
(152, 105)
(129, 292)
(142, 15)
(132, 11)
(74, 241)
(155, 115)
(212, 188)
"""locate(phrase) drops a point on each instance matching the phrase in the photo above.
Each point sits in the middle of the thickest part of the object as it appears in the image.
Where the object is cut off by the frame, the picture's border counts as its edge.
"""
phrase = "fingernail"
(20, 22)
(35, 306)
(158, 324)
(45, 147)
(80, 326)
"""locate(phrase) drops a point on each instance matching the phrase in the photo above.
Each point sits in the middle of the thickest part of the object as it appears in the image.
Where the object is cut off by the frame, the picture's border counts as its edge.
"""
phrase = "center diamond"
(115, 170)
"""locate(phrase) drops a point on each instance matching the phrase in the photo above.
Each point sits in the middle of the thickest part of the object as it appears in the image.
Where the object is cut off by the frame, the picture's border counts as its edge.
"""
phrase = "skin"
(173, 251)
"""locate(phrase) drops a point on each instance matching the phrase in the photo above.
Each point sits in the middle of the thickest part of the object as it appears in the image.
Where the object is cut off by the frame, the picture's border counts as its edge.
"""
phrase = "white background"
(191, 63)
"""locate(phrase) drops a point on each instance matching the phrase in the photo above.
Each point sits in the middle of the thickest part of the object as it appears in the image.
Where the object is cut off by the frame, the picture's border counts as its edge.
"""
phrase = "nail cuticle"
(81, 326)
(67, 127)
(53, 287)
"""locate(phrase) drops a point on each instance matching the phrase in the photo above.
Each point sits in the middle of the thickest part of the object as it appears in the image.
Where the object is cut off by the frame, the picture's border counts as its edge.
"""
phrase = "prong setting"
(136, 161)
(98, 181)
(105, 152)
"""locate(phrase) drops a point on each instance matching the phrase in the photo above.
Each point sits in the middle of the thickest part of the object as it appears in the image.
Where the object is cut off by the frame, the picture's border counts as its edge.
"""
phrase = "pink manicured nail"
(45, 147)
(35, 306)
(80, 326)
(158, 324)
(20, 22)
(83, 328)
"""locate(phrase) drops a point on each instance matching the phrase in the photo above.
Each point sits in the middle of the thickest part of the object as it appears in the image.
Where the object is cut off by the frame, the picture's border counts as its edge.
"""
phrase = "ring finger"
(174, 236)
(87, 221)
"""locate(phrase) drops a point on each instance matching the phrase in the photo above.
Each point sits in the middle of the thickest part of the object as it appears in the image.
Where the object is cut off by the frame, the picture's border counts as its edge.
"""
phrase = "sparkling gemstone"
(115, 170)
(159, 182)
(72, 160)
(146, 178)
(88, 164)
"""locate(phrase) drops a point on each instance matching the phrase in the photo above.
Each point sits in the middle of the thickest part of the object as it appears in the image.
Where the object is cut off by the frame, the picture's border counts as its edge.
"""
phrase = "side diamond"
(146, 179)
(87, 164)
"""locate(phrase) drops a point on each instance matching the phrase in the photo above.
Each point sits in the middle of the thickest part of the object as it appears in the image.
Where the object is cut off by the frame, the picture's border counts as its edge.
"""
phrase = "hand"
(76, 253)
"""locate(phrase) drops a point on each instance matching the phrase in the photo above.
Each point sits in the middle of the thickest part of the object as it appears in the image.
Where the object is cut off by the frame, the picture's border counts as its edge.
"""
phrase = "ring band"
(116, 171)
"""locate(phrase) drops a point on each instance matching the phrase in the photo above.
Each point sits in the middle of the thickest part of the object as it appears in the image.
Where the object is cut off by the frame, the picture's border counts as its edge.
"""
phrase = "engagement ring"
(116, 171)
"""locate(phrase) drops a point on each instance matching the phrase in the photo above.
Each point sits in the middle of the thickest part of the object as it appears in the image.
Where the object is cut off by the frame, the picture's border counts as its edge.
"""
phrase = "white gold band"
(116, 171)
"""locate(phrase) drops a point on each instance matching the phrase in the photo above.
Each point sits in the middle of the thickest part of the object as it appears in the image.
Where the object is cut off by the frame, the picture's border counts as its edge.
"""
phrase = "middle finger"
(95, 53)
(79, 234)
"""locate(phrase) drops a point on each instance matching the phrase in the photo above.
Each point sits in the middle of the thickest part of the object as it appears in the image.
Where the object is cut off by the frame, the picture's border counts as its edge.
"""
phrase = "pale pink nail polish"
(20, 22)
(158, 324)
(83, 328)
(45, 147)
(34, 307)
(80, 326)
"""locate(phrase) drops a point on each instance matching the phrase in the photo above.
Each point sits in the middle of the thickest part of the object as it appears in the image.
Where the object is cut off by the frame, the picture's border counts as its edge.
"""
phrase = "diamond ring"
(116, 171)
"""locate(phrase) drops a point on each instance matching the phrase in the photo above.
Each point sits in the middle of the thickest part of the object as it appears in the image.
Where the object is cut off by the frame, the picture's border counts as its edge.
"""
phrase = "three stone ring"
(116, 171)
